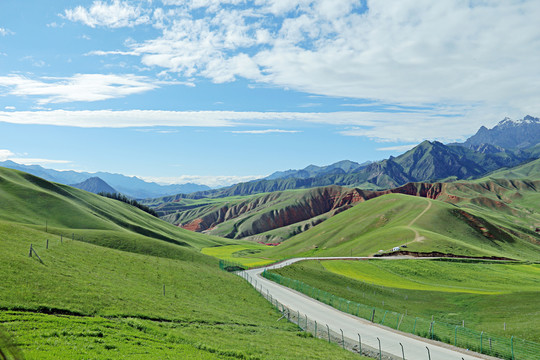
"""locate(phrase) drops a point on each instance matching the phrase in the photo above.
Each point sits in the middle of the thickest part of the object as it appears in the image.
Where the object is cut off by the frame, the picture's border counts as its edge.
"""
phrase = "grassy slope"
(112, 301)
(34, 202)
(498, 293)
(382, 223)
(248, 216)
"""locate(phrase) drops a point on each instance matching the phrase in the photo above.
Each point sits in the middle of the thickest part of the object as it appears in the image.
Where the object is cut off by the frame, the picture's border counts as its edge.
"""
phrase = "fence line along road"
(392, 343)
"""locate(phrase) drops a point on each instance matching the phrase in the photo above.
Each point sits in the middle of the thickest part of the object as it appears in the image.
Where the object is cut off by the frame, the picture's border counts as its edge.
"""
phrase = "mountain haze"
(521, 134)
(131, 186)
(95, 185)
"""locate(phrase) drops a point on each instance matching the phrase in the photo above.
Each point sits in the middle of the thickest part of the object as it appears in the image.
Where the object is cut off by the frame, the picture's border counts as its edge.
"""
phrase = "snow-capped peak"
(506, 122)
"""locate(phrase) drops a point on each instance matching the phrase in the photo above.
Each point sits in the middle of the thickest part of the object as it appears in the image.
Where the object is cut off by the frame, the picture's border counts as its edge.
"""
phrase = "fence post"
(402, 351)
(306, 323)
(315, 328)
(47, 245)
(481, 336)
(357, 309)
(298, 317)
(380, 351)
(373, 315)
(384, 317)
(455, 336)
(429, 355)
(30, 254)
(414, 327)
(327, 328)
(512, 346)
(342, 339)
(360, 344)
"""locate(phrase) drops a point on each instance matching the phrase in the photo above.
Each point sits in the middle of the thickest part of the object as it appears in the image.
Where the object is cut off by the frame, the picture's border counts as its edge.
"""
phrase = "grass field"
(484, 295)
(138, 296)
(393, 220)
(238, 253)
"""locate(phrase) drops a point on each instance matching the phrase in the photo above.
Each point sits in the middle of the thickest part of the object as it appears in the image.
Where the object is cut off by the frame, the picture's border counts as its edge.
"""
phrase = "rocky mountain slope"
(95, 185)
(277, 216)
(521, 134)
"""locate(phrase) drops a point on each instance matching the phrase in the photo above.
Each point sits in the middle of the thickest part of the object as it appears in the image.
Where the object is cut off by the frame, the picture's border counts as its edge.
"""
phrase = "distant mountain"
(277, 216)
(520, 134)
(130, 186)
(428, 161)
(95, 185)
(341, 167)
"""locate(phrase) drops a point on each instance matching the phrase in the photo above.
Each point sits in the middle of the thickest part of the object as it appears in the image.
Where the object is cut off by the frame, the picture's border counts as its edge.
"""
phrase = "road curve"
(414, 347)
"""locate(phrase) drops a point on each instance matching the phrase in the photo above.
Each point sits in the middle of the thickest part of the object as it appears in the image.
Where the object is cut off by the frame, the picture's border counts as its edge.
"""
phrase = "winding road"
(414, 346)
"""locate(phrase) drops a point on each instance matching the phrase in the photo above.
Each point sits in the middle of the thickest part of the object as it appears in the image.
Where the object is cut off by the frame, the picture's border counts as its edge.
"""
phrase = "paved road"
(415, 347)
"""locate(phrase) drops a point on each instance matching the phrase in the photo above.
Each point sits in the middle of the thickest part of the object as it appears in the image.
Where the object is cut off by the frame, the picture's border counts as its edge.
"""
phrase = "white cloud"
(113, 14)
(79, 87)
(399, 51)
(211, 181)
(435, 124)
(5, 154)
(268, 131)
(9, 155)
(4, 32)
(9, 107)
(399, 148)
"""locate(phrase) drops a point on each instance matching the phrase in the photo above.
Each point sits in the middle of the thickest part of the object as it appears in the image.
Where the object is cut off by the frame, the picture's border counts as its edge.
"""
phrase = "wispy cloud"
(211, 181)
(79, 87)
(268, 131)
(434, 124)
(412, 52)
(9, 155)
(4, 32)
(115, 14)
(397, 148)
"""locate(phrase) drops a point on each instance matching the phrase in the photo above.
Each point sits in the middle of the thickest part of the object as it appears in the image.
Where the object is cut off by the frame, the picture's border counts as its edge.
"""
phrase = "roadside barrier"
(320, 330)
(457, 335)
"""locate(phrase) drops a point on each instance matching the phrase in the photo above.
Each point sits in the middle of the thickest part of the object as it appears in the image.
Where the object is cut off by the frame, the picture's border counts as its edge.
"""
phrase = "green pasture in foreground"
(129, 286)
(244, 253)
(86, 301)
(485, 295)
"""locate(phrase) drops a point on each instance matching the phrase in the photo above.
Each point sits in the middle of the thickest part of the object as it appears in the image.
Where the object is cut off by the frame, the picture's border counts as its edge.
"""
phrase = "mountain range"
(482, 153)
(507, 144)
(128, 185)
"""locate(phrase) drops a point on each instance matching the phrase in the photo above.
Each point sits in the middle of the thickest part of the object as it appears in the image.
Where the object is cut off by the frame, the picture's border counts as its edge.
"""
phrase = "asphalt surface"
(414, 347)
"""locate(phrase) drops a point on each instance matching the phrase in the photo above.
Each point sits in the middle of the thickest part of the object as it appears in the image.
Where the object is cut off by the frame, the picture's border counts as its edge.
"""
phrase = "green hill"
(69, 212)
(424, 225)
(161, 298)
(245, 217)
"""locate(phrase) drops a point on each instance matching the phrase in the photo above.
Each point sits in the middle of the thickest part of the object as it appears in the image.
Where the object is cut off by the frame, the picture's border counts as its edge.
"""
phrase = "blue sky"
(217, 92)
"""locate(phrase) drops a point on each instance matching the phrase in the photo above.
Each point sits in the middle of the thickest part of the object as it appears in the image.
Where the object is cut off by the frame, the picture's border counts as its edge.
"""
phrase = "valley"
(106, 279)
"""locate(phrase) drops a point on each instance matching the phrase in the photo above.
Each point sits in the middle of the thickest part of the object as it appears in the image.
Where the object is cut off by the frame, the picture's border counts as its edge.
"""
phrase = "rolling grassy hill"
(247, 216)
(136, 287)
(395, 219)
(497, 216)
(498, 293)
(64, 210)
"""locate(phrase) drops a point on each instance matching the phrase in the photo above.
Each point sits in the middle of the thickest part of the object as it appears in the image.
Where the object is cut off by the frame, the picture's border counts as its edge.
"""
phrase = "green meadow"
(115, 282)
(485, 295)
(238, 253)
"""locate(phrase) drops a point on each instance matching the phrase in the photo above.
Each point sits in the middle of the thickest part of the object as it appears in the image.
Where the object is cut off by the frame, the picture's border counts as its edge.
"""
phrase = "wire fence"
(481, 342)
(320, 330)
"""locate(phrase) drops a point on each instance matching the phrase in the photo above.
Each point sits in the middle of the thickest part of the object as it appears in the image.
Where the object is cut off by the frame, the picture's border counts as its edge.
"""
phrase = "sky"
(219, 92)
